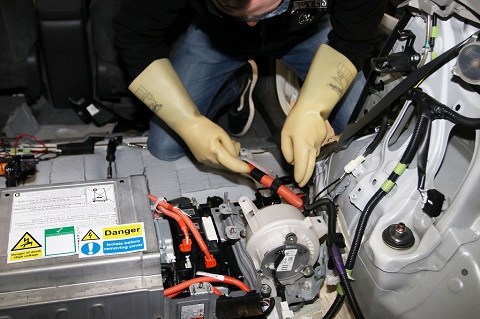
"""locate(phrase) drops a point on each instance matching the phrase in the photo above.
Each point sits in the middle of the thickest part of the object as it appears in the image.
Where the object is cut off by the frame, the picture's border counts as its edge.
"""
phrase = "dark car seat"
(19, 62)
(110, 76)
(82, 65)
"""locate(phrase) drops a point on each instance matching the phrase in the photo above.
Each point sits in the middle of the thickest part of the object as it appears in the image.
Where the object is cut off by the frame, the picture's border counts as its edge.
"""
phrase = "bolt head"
(306, 287)
(291, 239)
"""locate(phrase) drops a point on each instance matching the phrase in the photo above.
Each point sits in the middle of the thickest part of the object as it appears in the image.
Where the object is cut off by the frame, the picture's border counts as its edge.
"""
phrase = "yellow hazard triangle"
(90, 236)
(26, 242)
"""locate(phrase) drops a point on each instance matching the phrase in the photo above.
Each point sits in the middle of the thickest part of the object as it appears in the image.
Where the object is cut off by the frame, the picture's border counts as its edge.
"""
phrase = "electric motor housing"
(279, 238)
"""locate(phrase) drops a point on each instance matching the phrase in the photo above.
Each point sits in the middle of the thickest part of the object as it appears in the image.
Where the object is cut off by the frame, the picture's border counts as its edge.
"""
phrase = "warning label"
(46, 222)
(90, 236)
(26, 242)
(25, 255)
(287, 263)
(122, 231)
(116, 239)
(25, 249)
(41, 243)
(49, 223)
(123, 245)
(80, 206)
(195, 311)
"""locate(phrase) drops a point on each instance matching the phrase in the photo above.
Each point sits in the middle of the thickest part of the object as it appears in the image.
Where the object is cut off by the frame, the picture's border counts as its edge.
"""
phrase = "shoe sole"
(250, 86)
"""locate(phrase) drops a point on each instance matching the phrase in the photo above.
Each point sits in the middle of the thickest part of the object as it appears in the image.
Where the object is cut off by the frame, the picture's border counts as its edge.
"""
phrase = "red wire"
(19, 137)
(184, 285)
(186, 246)
(215, 291)
(209, 259)
(292, 198)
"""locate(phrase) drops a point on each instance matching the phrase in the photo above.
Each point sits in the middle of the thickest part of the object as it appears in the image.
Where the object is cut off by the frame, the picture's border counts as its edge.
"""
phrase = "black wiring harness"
(428, 110)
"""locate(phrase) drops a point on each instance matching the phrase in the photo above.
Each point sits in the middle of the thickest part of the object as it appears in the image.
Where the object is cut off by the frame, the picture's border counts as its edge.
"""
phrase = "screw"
(308, 271)
(400, 228)
(266, 290)
(291, 239)
(306, 286)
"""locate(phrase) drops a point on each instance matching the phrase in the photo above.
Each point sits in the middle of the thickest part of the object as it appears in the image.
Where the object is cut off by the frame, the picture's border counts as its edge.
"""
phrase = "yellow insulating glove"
(305, 130)
(160, 88)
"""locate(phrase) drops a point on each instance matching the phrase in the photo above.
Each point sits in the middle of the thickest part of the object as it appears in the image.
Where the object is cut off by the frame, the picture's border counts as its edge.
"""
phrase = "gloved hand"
(160, 88)
(305, 130)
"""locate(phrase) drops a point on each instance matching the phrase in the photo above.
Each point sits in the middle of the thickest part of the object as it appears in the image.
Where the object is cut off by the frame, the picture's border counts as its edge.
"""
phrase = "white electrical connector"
(286, 312)
(353, 164)
(188, 263)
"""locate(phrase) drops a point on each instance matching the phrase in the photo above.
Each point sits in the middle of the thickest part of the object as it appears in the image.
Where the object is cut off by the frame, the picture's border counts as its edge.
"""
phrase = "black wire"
(422, 157)
(431, 108)
(420, 129)
(380, 134)
(456, 118)
(434, 24)
(327, 187)
(270, 308)
(337, 303)
(407, 157)
(278, 285)
(351, 296)
(370, 148)
(172, 269)
(332, 241)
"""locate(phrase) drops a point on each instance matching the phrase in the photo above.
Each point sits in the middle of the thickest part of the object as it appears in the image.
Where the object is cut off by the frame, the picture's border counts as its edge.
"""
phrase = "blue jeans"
(206, 72)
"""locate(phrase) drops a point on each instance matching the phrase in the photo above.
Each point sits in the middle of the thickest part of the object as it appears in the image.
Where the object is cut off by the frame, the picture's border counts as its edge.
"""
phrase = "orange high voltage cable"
(275, 185)
(186, 245)
(214, 289)
(213, 278)
(210, 261)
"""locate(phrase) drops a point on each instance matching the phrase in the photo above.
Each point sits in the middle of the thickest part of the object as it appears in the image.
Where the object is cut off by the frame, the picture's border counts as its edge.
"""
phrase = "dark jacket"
(144, 28)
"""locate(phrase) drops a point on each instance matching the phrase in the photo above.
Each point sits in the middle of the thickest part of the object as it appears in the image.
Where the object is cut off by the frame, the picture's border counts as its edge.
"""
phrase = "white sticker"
(288, 260)
(92, 109)
(79, 206)
(209, 228)
(195, 311)
(111, 240)
(207, 274)
(46, 223)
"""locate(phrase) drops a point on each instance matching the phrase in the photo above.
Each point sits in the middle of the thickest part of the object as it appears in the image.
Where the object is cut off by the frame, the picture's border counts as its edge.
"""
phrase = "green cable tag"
(400, 168)
(17, 152)
(340, 290)
(387, 186)
(434, 32)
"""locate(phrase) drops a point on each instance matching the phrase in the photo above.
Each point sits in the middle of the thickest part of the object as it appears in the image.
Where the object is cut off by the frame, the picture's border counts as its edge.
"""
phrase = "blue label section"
(90, 248)
(123, 245)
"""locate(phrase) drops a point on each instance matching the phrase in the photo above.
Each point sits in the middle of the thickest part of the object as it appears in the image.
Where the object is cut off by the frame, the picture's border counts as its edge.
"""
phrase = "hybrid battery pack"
(79, 250)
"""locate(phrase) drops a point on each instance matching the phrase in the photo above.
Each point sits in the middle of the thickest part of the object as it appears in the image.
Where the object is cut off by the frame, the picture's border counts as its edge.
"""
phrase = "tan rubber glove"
(305, 130)
(160, 88)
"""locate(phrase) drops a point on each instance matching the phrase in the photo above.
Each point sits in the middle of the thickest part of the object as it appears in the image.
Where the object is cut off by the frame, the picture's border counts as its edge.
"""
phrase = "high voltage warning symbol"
(90, 236)
(26, 242)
